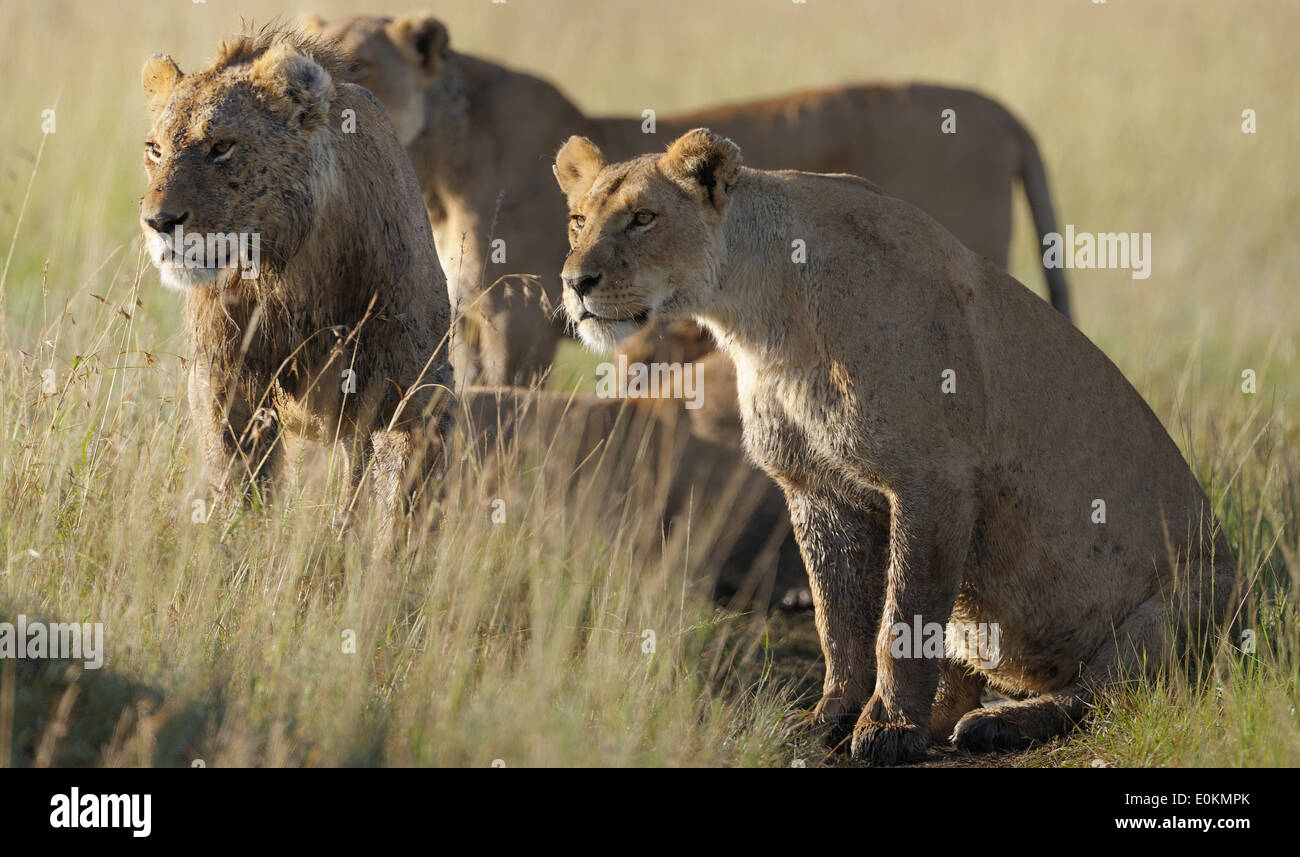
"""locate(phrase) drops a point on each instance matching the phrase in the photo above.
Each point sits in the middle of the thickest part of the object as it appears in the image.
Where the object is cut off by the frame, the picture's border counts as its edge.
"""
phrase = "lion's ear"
(423, 38)
(160, 76)
(576, 166)
(300, 88)
(705, 164)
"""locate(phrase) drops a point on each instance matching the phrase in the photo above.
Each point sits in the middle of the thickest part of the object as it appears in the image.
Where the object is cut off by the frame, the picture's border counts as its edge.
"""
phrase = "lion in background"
(600, 449)
(479, 135)
(941, 466)
(339, 335)
(765, 558)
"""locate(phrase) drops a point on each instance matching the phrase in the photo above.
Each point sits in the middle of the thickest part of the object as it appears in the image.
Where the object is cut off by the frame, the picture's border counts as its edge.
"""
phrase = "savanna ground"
(526, 641)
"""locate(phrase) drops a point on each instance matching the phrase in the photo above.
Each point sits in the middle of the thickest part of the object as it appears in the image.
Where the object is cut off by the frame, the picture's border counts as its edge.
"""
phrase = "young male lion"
(478, 132)
(330, 322)
(944, 440)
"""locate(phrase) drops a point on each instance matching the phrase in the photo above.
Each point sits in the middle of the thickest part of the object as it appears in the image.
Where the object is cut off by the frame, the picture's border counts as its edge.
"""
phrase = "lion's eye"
(643, 218)
(153, 152)
(222, 150)
(577, 221)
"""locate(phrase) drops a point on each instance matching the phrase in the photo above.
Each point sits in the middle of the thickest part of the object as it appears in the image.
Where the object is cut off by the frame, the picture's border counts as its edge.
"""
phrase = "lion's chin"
(605, 335)
(182, 279)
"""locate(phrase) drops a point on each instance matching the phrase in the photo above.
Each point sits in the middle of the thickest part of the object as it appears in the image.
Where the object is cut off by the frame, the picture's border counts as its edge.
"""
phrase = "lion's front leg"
(354, 458)
(389, 469)
(930, 537)
(240, 445)
(392, 471)
(844, 547)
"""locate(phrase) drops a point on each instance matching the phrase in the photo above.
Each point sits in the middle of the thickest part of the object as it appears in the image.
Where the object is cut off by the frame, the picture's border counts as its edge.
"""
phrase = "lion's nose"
(165, 221)
(581, 283)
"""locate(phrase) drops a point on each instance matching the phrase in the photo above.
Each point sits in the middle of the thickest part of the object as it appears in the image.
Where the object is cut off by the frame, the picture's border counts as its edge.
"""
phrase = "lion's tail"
(1034, 177)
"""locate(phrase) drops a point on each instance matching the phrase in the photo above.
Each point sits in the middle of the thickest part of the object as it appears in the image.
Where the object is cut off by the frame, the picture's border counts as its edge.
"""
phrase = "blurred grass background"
(1137, 107)
(1137, 110)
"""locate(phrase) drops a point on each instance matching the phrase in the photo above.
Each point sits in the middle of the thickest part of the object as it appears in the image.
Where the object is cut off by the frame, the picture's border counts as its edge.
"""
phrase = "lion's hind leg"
(1017, 725)
(1170, 629)
(1137, 647)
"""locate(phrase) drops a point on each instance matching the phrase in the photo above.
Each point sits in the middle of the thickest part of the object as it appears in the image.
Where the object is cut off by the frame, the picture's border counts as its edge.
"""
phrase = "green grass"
(524, 642)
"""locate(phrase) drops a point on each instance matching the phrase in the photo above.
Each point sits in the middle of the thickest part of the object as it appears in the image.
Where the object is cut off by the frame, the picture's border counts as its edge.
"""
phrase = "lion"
(765, 556)
(333, 326)
(676, 341)
(478, 134)
(955, 455)
(621, 445)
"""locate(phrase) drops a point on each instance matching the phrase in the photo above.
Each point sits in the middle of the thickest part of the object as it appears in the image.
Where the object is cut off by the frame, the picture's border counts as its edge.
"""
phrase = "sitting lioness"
(954, 454)
(481, 134)
(329, 320)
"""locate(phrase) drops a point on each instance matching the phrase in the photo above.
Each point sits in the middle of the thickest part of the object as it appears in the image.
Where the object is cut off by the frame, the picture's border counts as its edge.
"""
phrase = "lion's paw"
(889, 743)
(987, 730)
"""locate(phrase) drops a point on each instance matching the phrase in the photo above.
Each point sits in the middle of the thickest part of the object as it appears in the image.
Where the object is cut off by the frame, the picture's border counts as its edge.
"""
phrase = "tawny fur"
(349, 278)
(481, 135)
(970, 506)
